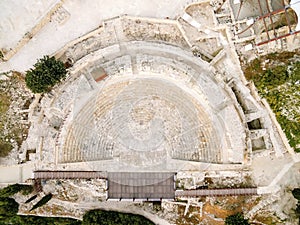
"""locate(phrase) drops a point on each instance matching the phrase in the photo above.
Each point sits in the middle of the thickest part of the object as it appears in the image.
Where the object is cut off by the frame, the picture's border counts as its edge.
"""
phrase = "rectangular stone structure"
(148, 186)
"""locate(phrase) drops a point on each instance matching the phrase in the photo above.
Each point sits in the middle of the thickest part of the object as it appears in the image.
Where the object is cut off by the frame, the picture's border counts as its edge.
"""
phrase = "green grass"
(4, 102)
(5, 146)
(10, 129)
(279, 84)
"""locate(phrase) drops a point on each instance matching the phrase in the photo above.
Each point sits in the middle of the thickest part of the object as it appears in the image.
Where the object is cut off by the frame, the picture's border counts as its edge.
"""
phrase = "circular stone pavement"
(141, 124)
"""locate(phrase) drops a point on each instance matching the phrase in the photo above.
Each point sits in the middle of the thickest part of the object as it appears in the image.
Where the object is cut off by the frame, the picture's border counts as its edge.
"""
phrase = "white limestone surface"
(16, 174)
(18, 17)
(84, 17)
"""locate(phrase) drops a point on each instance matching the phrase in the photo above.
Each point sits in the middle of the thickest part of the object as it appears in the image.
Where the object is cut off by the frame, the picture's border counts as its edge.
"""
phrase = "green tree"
(296, 193)
(236, 219)
(46, 73)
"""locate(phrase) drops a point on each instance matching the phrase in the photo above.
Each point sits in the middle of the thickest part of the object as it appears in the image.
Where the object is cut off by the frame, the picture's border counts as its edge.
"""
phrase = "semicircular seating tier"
(155, 102)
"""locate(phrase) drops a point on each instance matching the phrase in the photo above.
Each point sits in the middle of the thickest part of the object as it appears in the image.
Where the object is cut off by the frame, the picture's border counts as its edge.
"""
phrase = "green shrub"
(15, 188)
(295, 74)
(8, 207)
(5, 148)
(279, 85)
(38, 220)
(296, 193)
(46, 73)
(102, 217)
(236, 219)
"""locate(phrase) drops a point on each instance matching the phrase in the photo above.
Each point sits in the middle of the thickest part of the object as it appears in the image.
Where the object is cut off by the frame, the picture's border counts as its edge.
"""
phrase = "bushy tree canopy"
(236, 219)
(296, 193)
(8, 207)
(46, 73)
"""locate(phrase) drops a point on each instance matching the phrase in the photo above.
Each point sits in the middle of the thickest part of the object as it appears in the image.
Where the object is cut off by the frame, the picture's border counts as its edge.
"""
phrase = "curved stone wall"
(156, 104)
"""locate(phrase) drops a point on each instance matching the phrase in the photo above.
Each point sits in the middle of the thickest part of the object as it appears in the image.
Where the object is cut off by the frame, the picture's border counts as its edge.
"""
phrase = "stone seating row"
(88, 148)
(76, 134)
(85, 124)
(164, 66)
(160, 65)
(180, 71)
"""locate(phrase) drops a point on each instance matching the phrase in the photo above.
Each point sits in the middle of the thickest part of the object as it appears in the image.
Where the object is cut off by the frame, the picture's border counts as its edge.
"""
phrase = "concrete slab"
(16, 174)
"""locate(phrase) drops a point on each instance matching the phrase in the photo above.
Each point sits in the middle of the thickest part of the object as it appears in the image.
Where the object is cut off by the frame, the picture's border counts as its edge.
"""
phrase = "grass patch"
(14, 97)
(4, 102)
(5, 145)
(277, 78)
